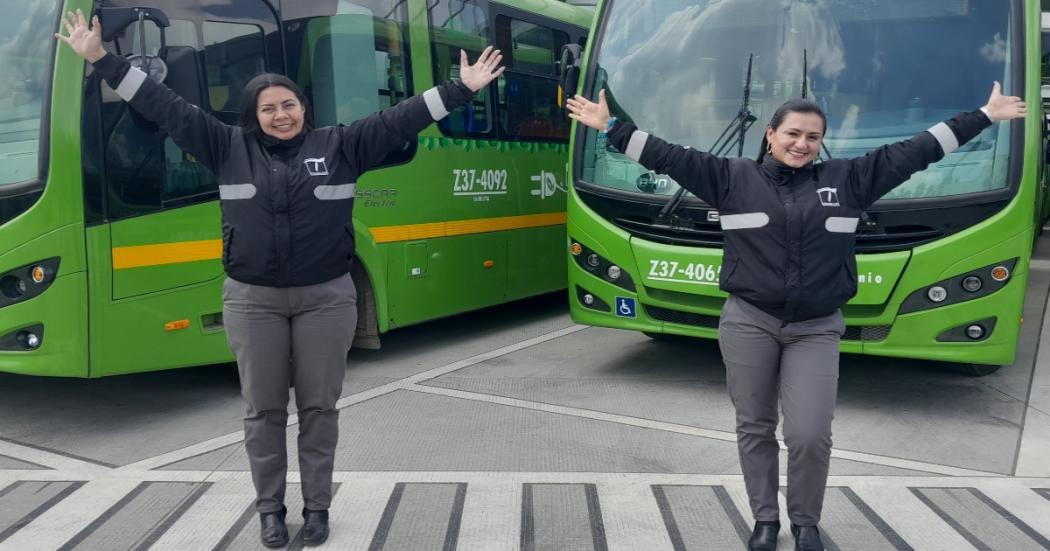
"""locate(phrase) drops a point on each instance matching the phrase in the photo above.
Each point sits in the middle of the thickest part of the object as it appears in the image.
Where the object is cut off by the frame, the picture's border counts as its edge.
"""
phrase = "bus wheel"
(367, 335)
(978, 370)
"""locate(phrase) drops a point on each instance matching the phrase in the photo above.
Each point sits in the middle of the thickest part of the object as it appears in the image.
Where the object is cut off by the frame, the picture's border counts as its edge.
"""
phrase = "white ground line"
(692, 431)
(356, 511)
(234, 437)
(491, 516)
(632, 519)
(49, 459)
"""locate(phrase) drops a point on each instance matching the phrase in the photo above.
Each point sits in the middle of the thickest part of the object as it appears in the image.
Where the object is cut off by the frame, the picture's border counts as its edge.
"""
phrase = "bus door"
(154, 237)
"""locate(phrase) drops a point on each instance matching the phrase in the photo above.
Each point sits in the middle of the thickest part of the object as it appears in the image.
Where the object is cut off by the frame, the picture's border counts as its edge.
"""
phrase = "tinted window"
(528, 89)
(461, 25)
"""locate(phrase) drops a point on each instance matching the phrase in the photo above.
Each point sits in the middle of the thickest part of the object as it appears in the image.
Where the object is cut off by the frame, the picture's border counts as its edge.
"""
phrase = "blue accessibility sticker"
(625, 307)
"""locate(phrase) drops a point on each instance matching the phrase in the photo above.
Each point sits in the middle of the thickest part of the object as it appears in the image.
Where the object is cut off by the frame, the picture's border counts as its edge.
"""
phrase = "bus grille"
(866, 333)
(683, 318)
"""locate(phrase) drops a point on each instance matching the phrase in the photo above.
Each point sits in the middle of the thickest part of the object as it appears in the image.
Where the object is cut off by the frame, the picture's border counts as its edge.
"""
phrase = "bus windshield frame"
(32, 33)
(815, 66)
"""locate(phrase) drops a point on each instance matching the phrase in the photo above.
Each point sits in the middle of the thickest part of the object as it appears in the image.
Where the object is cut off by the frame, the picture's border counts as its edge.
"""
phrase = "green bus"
(110, 242)
(942, 260)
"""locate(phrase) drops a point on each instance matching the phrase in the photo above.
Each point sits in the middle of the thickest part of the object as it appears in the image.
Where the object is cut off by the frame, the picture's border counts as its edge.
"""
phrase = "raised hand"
(594, 115)
(478, 75)
(86, 42)
(1004, 108)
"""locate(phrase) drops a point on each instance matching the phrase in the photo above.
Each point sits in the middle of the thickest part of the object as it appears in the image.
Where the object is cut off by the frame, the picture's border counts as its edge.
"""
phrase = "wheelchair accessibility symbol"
(625, 307)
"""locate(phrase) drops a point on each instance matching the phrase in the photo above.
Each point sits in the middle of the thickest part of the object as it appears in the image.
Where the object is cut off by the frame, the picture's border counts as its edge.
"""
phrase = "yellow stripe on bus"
(166, 253)
(390, 234)
(140, 256)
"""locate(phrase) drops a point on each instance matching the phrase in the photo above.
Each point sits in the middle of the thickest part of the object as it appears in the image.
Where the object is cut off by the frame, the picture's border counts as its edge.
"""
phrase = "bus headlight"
(599, 266)
(969, 285)
(26, 282)
(937, 293)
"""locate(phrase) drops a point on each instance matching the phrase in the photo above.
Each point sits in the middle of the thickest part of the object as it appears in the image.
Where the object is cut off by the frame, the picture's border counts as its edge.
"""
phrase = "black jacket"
(789, 234)
(286, 220)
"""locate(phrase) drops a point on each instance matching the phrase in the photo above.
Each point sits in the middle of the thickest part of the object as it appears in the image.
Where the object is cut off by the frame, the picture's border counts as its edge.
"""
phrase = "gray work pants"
(798, 361)
(298, 335)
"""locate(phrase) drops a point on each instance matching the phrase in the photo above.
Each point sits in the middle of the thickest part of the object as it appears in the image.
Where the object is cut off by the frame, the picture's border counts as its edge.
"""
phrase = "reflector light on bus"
(1000, 273)
(176, 325)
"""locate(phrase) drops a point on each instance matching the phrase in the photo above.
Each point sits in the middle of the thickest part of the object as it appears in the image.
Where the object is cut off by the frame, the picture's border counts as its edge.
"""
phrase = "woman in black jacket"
(789, 267)
(289, 304)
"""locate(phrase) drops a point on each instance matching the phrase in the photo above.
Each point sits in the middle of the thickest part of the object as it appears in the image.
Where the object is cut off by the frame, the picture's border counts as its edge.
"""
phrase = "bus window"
(143, 170)
(351, 60)
(27, 28)
(460, 25)
(528, 89)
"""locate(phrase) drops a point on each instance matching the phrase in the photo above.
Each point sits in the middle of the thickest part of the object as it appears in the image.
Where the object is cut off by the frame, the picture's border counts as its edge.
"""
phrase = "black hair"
(791, 106)
(249, 120)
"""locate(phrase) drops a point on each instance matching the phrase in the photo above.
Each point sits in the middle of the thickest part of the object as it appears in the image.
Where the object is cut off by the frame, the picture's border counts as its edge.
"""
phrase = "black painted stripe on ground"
(236, 528)
(668, 515)
(387, 520)
(455, 519)
(594, 510)
(17, 460)
(881, 525)
(1045, 492)
(734, 514)
(1020, 524)
(528, 523)
(32, 515)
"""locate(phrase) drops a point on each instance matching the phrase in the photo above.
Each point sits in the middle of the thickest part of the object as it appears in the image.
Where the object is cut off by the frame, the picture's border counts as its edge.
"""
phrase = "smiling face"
(796, 142)
(280, 113)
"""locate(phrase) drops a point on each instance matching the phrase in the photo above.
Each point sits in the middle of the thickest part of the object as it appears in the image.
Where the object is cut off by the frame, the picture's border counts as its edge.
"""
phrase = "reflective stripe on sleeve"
(335, 193)
(636, 145)
(841, 224)
(236, 191)
(130, 84)
(746, 221)
(945, 137)
(434, 103)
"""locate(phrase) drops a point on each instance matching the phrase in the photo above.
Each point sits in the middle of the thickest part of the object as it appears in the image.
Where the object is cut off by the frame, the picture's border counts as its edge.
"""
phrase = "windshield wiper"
(805, 87)
(733, 135)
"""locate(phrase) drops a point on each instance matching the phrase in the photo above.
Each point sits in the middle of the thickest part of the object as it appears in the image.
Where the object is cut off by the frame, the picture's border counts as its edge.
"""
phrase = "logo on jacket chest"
(316, 167)
(829, 196)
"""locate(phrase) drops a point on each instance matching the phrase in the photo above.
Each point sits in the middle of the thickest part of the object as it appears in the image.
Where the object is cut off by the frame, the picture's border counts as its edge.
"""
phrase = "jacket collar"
(780, 173)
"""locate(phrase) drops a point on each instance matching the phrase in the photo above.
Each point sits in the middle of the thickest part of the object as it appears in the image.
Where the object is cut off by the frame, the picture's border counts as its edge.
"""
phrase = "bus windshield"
(25, 40)
(882, 70)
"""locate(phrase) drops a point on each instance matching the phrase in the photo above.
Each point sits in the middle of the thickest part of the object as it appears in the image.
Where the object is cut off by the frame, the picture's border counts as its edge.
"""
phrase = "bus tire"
(367, 334)
(978, 370)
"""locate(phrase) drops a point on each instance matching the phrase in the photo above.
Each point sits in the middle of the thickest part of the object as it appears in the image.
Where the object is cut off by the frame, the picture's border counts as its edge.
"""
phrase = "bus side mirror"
(568, 71)
(115, 20)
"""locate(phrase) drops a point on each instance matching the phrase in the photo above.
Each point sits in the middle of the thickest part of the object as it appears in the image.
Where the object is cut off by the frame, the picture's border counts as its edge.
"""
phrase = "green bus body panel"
(104, 319)
(192, 223)
(885, 280)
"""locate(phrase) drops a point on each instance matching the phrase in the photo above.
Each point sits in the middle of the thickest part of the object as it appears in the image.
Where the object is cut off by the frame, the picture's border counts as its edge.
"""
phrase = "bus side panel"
(373, 258)
(61, 308)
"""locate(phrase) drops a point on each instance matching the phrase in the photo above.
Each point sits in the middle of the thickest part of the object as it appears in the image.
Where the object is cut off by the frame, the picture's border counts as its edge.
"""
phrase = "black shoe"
(315, 527)
(807, 538)
(764, 536)
(274, 532)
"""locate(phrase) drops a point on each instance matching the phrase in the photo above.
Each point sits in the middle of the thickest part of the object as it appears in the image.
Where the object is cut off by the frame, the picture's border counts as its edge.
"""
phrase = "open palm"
(594, 115)
(85, 41)
(1004, 108)
(478, 75)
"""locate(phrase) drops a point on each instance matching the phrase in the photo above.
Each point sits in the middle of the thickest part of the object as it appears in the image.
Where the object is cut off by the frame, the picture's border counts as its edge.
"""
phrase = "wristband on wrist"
(609, 126)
